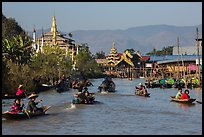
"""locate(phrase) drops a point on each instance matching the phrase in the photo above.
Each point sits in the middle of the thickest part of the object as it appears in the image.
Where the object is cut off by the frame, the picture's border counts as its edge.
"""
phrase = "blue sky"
(73, 16)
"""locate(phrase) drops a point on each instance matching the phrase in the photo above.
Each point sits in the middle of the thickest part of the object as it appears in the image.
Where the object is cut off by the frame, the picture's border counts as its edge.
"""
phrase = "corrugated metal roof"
(170, 57)
(175, 60)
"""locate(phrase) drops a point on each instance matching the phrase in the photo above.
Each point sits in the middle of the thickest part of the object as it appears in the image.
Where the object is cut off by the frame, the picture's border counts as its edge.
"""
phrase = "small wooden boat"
(6, 96)
(144, 95)
(24, 114)
(61, 89)
(45, 87)
(104, 87)
(191, 100)
(82, 101)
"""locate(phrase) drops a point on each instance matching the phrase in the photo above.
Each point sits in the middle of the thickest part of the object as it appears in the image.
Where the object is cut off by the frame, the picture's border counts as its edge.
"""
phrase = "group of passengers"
(181, 95)
(141, 89)
(17, 106)
(83, 97)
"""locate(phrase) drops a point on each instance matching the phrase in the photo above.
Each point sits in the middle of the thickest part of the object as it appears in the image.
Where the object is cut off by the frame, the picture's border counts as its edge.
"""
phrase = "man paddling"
(32, 105)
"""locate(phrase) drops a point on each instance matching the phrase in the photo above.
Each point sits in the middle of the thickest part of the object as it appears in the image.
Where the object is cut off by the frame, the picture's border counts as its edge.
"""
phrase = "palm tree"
(18, 50)
(70, 35)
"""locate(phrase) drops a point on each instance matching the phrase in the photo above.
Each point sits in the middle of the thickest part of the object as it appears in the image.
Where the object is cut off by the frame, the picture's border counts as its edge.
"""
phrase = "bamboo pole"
(183, 72)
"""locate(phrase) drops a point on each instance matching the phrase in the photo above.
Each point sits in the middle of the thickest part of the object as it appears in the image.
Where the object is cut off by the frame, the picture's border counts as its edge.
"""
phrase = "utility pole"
(197, 43)
(178, 58)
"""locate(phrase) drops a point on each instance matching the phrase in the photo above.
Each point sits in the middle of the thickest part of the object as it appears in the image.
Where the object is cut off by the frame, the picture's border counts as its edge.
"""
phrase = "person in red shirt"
(17, 107)
(20, 90)
(185, 95)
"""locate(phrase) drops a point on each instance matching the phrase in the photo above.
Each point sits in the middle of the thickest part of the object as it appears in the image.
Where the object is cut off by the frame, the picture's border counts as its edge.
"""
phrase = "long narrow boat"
(6, 96)
(191, 100)
(24, 114)
(144, 95)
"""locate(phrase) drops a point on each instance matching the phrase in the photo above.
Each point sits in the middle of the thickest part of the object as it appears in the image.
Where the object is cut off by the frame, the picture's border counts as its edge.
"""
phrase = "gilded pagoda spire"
(54, 29)
(54, 26)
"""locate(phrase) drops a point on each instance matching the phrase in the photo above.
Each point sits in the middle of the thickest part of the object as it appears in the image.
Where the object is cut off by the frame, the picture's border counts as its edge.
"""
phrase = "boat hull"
(23, 115)
(186, 101)
(143, 95)
(13, 96)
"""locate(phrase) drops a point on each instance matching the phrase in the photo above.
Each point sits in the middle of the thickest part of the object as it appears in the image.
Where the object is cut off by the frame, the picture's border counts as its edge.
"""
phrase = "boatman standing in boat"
(86, 93)
(20, 90)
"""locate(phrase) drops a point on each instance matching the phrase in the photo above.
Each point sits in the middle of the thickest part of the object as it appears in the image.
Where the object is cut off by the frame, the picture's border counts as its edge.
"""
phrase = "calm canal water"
(113, 114)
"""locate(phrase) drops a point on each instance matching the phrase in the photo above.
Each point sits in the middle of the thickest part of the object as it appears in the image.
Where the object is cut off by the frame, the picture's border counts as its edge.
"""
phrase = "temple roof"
(129, 58)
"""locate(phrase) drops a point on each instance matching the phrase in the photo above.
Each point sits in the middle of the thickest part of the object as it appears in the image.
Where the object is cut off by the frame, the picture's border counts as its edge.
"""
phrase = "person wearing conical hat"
(141, 89)
(32, 104)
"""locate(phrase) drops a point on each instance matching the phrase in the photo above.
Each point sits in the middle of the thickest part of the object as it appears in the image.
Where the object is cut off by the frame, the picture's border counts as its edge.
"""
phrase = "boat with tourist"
(24, 114)
(144, 95)
(187, 101)
(107, 85)
(84, 99)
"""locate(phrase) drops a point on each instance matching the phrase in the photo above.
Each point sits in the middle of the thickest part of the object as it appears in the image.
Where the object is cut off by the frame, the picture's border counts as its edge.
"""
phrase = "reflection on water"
(120, 113)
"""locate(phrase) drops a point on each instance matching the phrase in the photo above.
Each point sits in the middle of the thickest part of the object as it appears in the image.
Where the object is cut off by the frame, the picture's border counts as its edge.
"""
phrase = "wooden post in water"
(183, 72)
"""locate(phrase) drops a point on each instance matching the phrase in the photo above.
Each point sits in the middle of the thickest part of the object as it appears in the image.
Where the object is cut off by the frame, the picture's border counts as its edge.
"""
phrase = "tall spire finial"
(54, 30)
(113, 45)
(34, 28)
(42, 32)
(54, 26)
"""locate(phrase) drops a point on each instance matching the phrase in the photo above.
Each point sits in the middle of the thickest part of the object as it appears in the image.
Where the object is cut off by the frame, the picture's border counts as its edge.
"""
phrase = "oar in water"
(73, 99)
(25, 94)
(199, 102)
(26, 109)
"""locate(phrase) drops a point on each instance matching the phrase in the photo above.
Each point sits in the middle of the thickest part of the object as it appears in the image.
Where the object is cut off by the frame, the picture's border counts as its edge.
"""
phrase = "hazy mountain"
(143, 39)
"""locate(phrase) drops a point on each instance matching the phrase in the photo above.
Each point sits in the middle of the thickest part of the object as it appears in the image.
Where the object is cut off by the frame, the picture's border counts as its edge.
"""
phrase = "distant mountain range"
(143, 39)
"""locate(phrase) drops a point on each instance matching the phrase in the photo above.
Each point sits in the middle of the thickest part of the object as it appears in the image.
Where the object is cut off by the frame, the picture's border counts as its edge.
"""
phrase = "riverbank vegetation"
(165, 51)
(20, 65)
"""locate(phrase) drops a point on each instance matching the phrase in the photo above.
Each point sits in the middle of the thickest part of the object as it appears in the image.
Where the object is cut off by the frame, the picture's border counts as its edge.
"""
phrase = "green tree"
(86, 63)
(130, 50)
(18, 49)
(165, 51)
(70, 35)
(51, 63)
(11, 28)
(100, 55)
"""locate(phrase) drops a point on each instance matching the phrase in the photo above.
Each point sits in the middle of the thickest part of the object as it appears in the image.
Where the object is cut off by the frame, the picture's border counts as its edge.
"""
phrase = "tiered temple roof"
(113, 56)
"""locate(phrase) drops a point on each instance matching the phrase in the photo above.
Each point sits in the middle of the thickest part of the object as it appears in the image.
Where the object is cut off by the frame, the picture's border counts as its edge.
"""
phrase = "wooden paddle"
(199, 102)
(26, 111)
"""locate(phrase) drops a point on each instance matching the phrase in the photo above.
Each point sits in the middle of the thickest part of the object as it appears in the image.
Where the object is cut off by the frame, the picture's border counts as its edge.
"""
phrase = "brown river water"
(120, 113)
